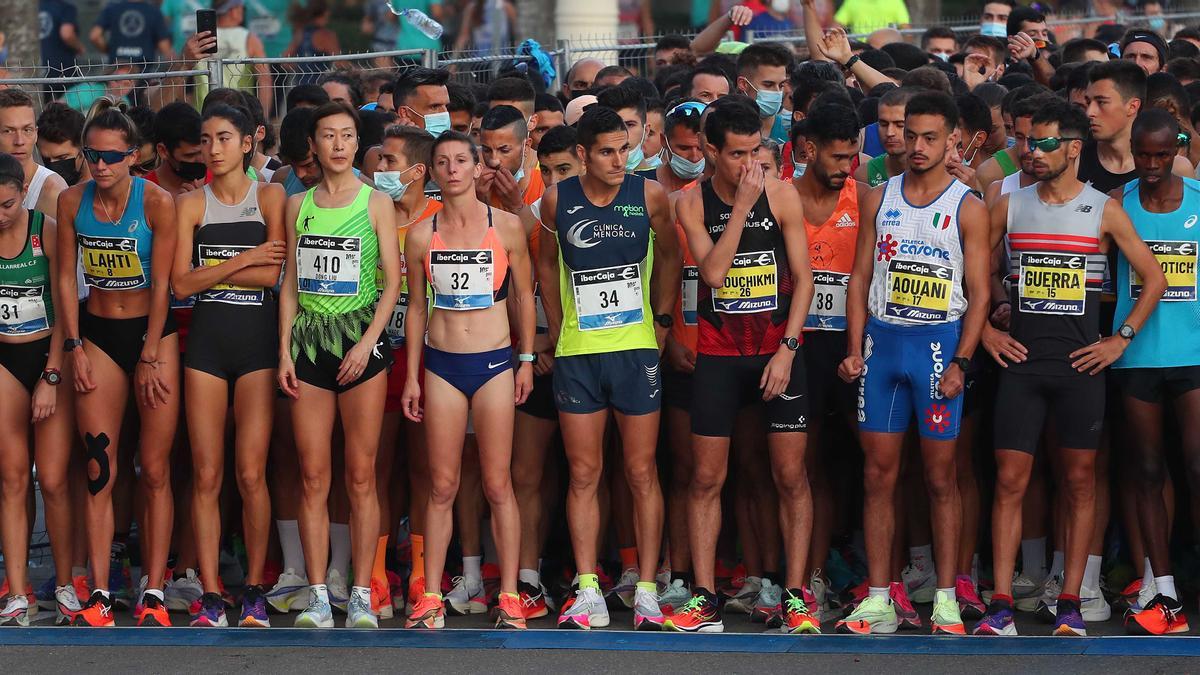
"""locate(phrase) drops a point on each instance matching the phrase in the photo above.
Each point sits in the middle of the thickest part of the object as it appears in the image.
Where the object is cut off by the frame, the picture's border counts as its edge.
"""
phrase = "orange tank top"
(831, 247)
(464, 279)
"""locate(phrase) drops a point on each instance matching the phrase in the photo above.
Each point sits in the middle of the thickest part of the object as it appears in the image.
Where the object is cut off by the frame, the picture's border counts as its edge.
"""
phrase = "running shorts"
(828, 394)
(902, 368)
(323, 372)
(25, 361)
(628, 381)
(1024, 402)
(1154, 385)
(726, 384)
(540, 403)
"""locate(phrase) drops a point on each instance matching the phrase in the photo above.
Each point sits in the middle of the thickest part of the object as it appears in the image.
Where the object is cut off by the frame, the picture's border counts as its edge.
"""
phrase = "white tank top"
(918, 274)
(1011, 182)
(231, 42)
(34, 193)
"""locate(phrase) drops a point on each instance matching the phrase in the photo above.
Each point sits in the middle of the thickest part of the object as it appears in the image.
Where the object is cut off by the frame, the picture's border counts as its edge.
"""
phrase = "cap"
(575, 108)
(222, 6)
(1150, 38)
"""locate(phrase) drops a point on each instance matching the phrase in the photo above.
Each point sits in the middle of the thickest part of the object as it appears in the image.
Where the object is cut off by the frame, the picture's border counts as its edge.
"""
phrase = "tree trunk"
(535, 19)
(19, 23)
(925, 12)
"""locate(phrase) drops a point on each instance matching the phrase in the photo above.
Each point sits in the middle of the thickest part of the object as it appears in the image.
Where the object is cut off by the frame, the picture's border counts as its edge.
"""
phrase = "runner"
(333, 354)
(229, 255)
(894, 159)
(1059, 232)
(469, 283)
(1007, 161)
(128, 338)
(509, 177)
(31, 364)
(598, 287)
(910, 335)
(682, 139)
(761, 74)
(752, 258)
(19, 138)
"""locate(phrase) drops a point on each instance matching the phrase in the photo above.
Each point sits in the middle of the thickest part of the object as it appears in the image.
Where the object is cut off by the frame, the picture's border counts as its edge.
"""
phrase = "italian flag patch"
(941, 221)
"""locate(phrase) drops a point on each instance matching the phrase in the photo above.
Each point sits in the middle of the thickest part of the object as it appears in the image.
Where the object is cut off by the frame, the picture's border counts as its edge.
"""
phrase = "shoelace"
(797, 605)
(695, 605)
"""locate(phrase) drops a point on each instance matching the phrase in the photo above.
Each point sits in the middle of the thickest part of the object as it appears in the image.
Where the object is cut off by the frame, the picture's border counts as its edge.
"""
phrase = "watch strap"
(526, 358)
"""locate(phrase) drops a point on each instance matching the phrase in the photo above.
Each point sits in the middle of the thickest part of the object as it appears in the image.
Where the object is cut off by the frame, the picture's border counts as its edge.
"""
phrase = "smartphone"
(206, 22)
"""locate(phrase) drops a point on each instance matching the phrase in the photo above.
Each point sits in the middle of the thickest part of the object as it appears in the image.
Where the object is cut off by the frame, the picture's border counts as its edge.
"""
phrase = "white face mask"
(781, 6)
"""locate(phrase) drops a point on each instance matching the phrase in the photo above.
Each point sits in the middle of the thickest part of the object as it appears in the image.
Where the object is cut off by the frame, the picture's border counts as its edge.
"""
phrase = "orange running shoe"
(416, 589)
(699, 615)
(154, 612)
(798, 616)
(381, 598)
(97, 613)
(533, 602)
(1163, 616)
(511, 614)
(428, 612)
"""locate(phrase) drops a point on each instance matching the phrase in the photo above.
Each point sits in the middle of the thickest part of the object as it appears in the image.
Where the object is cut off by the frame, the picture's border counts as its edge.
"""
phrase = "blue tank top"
(1173, 238)
(292, 185)
(115, 256)
(871, 143)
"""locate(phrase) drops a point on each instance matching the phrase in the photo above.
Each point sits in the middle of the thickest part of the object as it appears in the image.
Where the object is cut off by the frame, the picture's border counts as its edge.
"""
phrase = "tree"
(21, 28)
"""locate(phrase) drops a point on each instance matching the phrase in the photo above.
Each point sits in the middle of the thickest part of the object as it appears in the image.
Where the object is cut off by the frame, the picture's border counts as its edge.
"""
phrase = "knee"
(206, 480)
(707, 481)
(443, 488)
(251, 479)
(156, 476)
(879, 475)
(54, 487)
(14, 481)
(526, 482)
(316, 483)
(641, 476)
(585, 477)
(360, 481)
(791, 480)
(498, 489)
(1080, 481)
(941, 481)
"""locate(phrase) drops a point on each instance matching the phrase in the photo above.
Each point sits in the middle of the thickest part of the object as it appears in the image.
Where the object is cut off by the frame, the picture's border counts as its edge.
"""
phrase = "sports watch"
(70, 344)
(52, 376)
(526, 358)
(962, 362)
(1126, 331)
(791, 343)
(664, 320)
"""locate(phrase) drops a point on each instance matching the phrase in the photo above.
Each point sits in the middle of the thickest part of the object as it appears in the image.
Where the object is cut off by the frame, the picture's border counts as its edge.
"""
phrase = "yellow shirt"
(864, 16)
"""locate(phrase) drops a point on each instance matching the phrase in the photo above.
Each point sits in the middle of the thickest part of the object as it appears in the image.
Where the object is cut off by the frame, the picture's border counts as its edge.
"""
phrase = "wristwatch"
(962, 362)
(52, 376)
(70, 344)
(855, 58)
(664, 320)
(791, 343)
(1126, 331)
(526, 358)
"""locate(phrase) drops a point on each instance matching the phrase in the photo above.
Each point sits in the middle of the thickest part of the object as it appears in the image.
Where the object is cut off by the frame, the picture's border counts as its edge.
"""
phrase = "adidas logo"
(845, 221)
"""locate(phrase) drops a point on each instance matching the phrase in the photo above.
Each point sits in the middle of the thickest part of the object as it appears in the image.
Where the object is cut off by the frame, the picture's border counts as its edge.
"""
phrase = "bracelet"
(854, 58)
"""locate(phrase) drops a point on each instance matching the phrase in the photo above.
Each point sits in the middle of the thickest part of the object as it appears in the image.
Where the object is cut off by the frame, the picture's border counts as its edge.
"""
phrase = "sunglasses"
(687, 109)
(94, 156)
(1049, 144)
(1183, 139)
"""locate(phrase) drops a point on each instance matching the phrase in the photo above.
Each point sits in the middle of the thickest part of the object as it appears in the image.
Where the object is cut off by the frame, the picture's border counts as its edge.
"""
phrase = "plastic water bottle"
(419, 20)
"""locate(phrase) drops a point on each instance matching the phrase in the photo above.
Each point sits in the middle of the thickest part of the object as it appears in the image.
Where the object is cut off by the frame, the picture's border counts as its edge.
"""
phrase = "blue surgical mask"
(637, 154)
(654, 161)
(769, 102)
(1158, 24)
(799, 170)
(685, 168)
(999, 30)
(521, 170)
(389, 183)
(785, 120)
(437, 123)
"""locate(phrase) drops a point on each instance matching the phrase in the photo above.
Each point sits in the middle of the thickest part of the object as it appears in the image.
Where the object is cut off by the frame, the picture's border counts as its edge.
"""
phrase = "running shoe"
(768, 606)
(997, 621)
(662, 579)
(211, 612)
(97, 613)
(416, 590)
(875, 614)
(466, 597)
(745, 597)
(339, 590)
(66, 605)
(969, 605)
(821, 594)
(625, 587)
(1161, 616)
(946, 618)
(798, 617)
(30, 599)
(698, 615)
(856, 595)
(358, 611)
(16, 611)
(182, 592)
(646, 613)
(381, 598)
(490, 572)
(429, 612)
(318, 614)
(79, 579)
(154, 612)
(510, 613)
(254, 609)
(1127, 598)
(271, 572)
(1051, 589)
(729, 579)
(676, 595)
(289, 592)
(905, 612)
(1026, 593)
(396, 588)
(532, 601)
(1069, 620)
(1143, 598)
(1093, 606)
(920, 581)
(586, 611)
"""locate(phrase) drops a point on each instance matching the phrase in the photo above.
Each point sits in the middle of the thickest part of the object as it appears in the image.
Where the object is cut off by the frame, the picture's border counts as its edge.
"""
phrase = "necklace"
(111, 220)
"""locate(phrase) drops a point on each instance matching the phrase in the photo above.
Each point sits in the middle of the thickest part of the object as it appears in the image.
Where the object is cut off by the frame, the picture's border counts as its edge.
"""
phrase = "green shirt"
(268, 19)
(409, 37)
(181, 18)
(877, 173)
(1006, 163)
(864, 16)
(26, 304)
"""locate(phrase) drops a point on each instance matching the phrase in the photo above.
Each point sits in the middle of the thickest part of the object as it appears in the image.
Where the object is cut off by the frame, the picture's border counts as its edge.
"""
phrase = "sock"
(1166, 586)
(417, 544)
(1033, 558)
(648, 586)
(1091, 572)
(1064, 597)
(471, 565)
(1147, 573)
(589, 581)
(156, 593)
(629, 557)
(1057, 563)
(361, 591)
(289, 541)
(921, 556)
(874, 592)
(539, 567)
(321, 590)
(379, 570)
(530, 577)
(339, 549)
(949, 593)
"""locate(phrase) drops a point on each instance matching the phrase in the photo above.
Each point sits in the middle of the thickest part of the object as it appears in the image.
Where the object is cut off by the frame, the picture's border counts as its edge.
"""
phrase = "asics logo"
(1187, 224)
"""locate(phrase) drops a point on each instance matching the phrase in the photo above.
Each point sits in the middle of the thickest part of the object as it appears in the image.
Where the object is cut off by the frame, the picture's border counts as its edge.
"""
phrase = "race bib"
(1178, 261)
(22, 310)
(111, 263)
(1052, 283)
(462, 279)
(919, 291)
(690, 294)
(541, 324)
(608, 298)
(751, 285)
(328, 265)
(230, 294)
(828, 309)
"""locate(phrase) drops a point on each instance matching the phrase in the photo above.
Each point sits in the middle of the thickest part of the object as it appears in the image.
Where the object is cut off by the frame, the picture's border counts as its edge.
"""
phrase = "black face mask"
(68, 168)
(190, 171)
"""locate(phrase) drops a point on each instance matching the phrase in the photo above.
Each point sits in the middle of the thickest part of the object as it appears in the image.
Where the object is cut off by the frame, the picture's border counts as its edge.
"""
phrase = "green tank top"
(26, 304)
(1006, 163)
(877, 170)
(336, 258)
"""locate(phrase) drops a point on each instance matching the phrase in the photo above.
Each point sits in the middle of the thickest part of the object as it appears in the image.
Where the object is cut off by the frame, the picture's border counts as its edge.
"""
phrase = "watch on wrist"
(1126, 331)
(792, 343)
(52, 376)
(854, 58)
(962, 362)
(526, 358)
(70, 344)
(664, 320)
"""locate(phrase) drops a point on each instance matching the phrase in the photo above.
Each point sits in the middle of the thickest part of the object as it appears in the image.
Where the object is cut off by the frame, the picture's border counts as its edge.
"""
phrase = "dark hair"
(1073, 50)
(736, 117)
(1182, 68)
(224, 95)
(558, 139)
(686, 118)
(905, 55)
(991, 93)
(417, 144)
(461, 98)
(60, 123)
(898, 96)
(1109, 33)
(973, 113)
(1182, 49)
(548, 103)
(511, 89)
(352, 83)
(706, 68)
(293, 134)
(143, 120)
(1188, 33)
(1080, 77)
(933, 103)
(930, 78)
(938, 32)
(1128, 78)
(1152, 120)
(452, 136)
(831, 122)
(329, 110)
(1163, 87)
(306, 94)
(672, 42)
(818, 70)
(109, 115)
(234, 115)
(177, 123)
(370, 133)
(259, 116)
(763, 54)
(997, 46)
(505, 116)
(644, 87)
(1020, 15)
(596, 120)
(1028, 105)
(11, 172)
(608, 71)
(1072, 122)
(669, 77)
(620, 98)
(15, 98)
(806, 90)
(406, 85)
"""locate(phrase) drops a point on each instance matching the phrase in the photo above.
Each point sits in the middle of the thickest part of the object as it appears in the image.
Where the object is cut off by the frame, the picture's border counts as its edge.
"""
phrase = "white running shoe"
(820, 591)
(339, 591)
(646, 613)
(466, 596)
(182, 592)
(587, 612)
(1145, 595)
(1093, 606)
(921, 583)
(746, 596)
(318, 614)
(289, 592)
(663, 579)
(675, 597)
(1048, 601)
(1026, 592)
(358, 612)
(66, 604)
(624, 590)
(15, 612)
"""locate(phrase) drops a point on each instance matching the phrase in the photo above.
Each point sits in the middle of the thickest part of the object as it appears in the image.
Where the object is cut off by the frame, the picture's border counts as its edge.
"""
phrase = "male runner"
(1059, 232)
(761, 74)
(891, 130)
(19, 137)
(609, 308)
(421, 99)
(684, 149)
(914, 269)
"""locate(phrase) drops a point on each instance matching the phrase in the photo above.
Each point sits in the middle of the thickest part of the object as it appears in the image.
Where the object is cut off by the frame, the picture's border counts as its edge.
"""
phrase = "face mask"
(769, 102)
(781, 6)
(999, 30)
(1158, 25)
(943, 56)
(437, 123)
(654, 161)
(685, 168)
(389, 183)
(67, 168)
(636, 155)
(799, 170)
(190, 171)
(785, 120)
